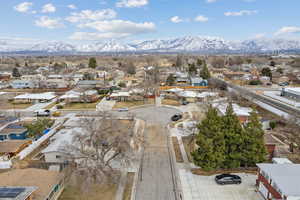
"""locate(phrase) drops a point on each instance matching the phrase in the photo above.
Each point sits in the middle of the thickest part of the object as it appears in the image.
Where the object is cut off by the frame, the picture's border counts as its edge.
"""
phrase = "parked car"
(43, 113)
(123, 109)
(224, 179)
(185, 103)
(284, 84)
(176, 117)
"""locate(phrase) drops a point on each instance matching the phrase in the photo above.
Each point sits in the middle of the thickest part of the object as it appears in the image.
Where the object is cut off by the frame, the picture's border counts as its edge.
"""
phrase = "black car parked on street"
(225, 179)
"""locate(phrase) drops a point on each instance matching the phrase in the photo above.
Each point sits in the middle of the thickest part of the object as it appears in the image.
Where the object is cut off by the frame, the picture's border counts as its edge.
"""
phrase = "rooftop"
(11, 146)
(44, 180)
(16, 193)
(286, 177)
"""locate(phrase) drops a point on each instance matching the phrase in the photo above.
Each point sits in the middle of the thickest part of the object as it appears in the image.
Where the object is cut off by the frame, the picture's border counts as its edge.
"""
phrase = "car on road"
(224, 179)
(123, 109)
(176, 117)
(43, 113)
(284, 84)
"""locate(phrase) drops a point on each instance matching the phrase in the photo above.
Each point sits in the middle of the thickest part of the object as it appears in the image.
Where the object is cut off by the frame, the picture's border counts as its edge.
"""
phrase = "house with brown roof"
(48, 184)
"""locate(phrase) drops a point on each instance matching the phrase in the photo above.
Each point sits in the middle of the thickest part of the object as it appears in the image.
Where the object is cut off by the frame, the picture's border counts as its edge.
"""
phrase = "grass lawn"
(80, 106)
(96, 192)
(130, 104)
(188, 147)
(8, 105)
(176, 146)
(128, 186)
(170, 102)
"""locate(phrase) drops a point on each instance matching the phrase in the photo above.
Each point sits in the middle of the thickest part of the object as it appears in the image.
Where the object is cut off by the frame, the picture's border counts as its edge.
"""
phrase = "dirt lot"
(176, 147)
(170, 102)
(97, 192)
(188, 146)
(130, 104)
(8, 105)
(80, 106)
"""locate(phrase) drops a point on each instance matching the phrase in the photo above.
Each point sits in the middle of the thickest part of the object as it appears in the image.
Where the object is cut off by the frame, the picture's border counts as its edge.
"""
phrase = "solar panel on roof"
(10, 192)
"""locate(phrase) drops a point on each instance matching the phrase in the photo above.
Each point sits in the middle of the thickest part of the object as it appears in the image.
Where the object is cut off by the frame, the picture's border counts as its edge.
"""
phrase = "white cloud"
(131, 3)
(24, 7)
(211, 1)
(288, 29)
(201, 18)
(48, 8)
(119, 26)
(96, 36)
(72, 7)
(176, 19)
(86, 15)
(241, 13)
(259, 35)
(50, 23)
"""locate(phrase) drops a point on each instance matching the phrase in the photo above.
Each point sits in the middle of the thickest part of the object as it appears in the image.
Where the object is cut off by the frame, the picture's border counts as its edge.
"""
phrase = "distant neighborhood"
(133, 127)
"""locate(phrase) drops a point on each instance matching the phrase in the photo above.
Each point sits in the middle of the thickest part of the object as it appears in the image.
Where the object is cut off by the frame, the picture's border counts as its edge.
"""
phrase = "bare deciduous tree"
(101, 145)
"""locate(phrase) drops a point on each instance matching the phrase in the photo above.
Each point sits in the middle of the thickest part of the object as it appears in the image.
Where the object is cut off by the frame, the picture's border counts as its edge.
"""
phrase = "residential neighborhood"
(187, 130)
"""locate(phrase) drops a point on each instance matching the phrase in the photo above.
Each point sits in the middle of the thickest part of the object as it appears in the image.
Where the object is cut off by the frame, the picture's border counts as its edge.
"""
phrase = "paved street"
(155, 180)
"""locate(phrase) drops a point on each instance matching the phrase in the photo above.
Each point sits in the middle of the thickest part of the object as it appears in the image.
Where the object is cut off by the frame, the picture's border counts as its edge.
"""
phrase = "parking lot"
(205, 188)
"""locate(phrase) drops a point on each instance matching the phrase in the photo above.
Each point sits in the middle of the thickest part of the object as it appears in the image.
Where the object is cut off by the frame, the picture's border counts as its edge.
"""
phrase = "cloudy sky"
(129, 20)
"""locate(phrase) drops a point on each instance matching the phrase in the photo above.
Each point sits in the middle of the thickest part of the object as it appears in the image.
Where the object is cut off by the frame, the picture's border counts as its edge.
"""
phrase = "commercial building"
(293, 93)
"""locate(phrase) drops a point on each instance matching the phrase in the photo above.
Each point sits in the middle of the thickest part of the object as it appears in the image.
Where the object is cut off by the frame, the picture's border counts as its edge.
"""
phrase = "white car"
(43, 113)
(123, 109)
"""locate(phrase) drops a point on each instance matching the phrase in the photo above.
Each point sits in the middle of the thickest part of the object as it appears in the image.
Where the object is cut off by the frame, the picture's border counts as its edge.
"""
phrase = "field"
(8, 105)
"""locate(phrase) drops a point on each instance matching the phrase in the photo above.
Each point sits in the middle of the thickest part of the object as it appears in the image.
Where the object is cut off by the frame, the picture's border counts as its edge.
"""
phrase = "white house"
(279, 181)
(56, 152)
(35, 97)
(23, 84)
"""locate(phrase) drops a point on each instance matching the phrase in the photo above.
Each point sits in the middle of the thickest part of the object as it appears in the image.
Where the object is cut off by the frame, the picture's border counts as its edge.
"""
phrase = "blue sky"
(128, 20)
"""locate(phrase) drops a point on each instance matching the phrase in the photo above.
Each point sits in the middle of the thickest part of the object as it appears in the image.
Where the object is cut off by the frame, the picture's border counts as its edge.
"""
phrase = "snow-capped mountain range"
(184, 44)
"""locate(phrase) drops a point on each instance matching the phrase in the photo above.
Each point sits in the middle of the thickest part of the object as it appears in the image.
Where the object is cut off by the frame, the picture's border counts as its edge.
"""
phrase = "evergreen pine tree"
(15, 72)
(210, 152)
(92, 63)
(254, 150)
(233, 135)
(204, 73)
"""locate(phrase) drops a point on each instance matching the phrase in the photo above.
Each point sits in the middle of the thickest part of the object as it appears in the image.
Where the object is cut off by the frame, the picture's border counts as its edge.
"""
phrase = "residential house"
(120, 96)
(35, 97)
(87, 96)
(243, 113)
(11, 148)
(14, 131)
(92, 84)
(23, 84)
(182, 78)
(279, 181)
(279, 78)
(17, 193)
(34, 77)
(54, 84)
(198, 81)
(48, 184)
(5, 76)
(55, 152)
(234, 75)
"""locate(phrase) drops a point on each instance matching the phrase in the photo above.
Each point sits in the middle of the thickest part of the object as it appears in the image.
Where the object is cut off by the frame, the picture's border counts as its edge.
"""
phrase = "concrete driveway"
(205, 188)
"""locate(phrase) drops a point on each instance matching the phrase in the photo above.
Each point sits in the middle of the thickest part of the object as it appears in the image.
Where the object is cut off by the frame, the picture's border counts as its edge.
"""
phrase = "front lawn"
(129, 104)
(80, 106)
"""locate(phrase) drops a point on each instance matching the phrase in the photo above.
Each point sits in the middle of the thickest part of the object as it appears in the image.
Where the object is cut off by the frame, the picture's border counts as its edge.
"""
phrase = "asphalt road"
(155, 176)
